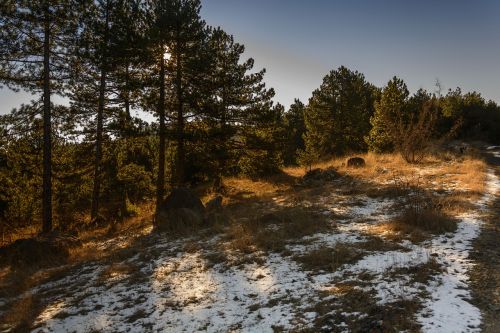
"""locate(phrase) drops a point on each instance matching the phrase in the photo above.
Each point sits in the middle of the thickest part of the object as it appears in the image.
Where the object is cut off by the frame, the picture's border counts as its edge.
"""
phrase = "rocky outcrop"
(181, 209)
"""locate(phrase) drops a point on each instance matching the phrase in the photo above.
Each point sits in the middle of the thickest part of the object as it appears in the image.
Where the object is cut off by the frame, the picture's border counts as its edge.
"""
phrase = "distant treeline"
(214, 115)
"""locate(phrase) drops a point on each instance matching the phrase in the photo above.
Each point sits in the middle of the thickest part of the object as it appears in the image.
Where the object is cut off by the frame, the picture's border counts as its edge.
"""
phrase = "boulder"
(215, 212)
(182, 208)
(36, 252)
(356, 162)
(214, 205)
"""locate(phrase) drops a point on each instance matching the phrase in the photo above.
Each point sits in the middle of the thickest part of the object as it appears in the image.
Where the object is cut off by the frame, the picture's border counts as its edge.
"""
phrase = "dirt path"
(485, 277)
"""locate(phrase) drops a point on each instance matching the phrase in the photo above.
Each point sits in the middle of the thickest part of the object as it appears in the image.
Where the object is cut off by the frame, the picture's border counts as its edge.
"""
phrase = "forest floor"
(386, 248)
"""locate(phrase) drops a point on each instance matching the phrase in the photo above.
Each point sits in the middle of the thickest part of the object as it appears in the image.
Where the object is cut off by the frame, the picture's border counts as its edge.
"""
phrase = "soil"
(485, 277)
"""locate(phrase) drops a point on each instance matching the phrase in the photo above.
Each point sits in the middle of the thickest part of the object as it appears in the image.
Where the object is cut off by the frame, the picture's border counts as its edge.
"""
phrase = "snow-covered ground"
(166, 289)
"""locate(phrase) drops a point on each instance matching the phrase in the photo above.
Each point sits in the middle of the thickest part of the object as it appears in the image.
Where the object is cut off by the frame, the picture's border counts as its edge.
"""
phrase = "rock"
(320, 175)
(39, 251)
(356, 162)
(215, 212)
(181, 209)
(214, 205)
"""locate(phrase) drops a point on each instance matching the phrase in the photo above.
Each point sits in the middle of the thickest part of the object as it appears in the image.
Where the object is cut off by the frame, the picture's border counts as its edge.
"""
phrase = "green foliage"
(338, 115)
(295, 129)
(479, 119)
(262, 155)
(390, 110)
(306, 157)
(216, 115)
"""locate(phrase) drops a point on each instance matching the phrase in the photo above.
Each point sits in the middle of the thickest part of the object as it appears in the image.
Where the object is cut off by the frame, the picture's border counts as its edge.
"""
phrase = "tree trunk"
(160, 181)
(222, 145)
(98, 147)
(94, 211)
(180, 124)
(47, 131)
(127, 93)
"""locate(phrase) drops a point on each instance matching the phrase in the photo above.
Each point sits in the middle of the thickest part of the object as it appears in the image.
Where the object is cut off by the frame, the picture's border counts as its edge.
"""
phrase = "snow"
(176, 291)
(448, 310)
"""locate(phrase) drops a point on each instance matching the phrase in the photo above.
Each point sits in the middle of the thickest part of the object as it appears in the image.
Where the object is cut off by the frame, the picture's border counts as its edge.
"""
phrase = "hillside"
(338, 250)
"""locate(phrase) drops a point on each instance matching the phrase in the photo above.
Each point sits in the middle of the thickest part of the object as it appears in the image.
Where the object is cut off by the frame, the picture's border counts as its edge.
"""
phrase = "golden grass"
(468, 172)
(377, 166)
(340, 289)
(116, 270)
(397, 231)
(245, 188)
(270, 232)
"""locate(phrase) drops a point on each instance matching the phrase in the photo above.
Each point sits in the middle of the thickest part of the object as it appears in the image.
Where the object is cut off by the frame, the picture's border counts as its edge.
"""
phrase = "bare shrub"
(415, 135)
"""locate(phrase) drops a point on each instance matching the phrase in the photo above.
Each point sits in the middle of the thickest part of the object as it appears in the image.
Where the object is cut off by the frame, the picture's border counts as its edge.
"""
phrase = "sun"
(167, 56)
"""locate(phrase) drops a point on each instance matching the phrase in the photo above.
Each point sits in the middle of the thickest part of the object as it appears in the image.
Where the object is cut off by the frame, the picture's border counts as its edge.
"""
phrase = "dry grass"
(379, 166)
(396, 232)
(10, 235)
(468, 172)
(270, 232)
(341, 288)
(392, 317)
(116, 270)
(378, 244)
(259, 224)
(429, 218)
(245, 188)
(422, 273)
(329, 258)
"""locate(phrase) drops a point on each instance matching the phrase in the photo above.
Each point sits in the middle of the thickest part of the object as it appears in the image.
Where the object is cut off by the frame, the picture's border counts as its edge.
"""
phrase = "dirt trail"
(485, 277)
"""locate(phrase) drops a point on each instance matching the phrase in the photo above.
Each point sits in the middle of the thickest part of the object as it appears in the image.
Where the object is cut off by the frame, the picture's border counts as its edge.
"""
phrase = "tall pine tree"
(338, 115)
(36, 39)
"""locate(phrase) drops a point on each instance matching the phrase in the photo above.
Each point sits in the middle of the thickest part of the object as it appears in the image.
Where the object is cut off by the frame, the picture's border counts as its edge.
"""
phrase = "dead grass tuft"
(329, 258)
(397, 231)
(270, 232)
(428, 219)
(116, 270)
(378, 244)
(360, 312)
(422, 273)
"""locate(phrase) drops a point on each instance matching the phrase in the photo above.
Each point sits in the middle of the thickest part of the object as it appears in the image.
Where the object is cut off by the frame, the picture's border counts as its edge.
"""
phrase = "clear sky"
(299, 41)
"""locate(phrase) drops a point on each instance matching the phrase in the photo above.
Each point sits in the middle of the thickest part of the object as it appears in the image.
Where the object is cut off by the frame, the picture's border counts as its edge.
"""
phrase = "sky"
(298, 42)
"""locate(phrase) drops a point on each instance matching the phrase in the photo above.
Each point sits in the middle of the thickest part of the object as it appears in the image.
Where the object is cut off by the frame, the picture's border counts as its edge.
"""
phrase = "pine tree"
(295, 130)
(389, 111)
(36, 39)
(226, 92)
(185, 45)
(338, 114)
(159, 14)
(106, 45)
